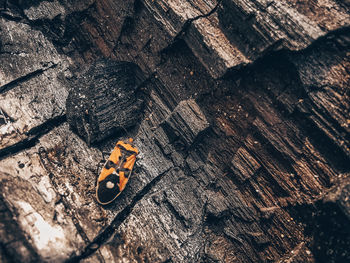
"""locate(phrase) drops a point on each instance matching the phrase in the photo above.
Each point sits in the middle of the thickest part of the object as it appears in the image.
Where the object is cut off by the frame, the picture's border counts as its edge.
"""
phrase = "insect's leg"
(99, 168)
(108, 164)
(101, 163)
(104, 154)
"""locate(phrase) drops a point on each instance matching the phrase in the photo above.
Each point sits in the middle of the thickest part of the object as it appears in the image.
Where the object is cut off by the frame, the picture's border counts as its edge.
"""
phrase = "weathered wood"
(31, 93)
(244, 139)
(104, 99)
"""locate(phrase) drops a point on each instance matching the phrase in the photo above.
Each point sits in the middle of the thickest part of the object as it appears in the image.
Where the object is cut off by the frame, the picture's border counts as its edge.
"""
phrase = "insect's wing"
(110, 164)
(108, 189)
(115, 155)
(108, 181)
(126, 171)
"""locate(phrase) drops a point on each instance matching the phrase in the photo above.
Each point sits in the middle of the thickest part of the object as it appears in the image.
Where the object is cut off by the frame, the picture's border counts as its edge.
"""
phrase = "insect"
(116, 172)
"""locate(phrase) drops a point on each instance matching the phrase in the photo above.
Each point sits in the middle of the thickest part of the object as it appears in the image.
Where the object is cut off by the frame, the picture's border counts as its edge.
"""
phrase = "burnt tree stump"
(104, 99)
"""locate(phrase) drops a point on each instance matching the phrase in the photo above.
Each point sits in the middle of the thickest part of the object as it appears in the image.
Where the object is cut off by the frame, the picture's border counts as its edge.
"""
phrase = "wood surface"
(243, 131)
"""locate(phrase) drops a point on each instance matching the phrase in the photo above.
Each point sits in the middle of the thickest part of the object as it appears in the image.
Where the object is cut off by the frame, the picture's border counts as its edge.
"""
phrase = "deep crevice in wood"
(31, 138)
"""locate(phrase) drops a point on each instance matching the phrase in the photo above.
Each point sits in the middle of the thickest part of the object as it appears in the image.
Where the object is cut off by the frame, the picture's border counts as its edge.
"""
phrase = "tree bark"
(243, 137)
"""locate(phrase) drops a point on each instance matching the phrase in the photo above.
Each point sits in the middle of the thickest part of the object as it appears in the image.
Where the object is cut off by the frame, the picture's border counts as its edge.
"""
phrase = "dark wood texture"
(104, 99)
(243, 136)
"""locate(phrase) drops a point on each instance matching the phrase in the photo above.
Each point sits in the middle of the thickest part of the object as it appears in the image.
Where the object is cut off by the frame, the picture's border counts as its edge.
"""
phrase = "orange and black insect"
(116, 172)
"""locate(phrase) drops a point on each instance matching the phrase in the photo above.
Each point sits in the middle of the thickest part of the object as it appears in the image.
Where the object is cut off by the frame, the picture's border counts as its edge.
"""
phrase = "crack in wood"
(32, 136)
(12, 84)
(186, 26)
(106, 233)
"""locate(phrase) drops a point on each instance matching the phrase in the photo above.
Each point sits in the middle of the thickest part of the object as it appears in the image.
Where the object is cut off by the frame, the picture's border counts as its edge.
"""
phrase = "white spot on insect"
(110, 185)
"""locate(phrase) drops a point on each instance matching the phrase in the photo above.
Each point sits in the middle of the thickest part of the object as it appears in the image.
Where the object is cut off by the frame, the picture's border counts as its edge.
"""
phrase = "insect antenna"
(127, 134)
